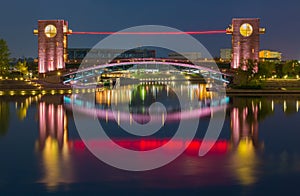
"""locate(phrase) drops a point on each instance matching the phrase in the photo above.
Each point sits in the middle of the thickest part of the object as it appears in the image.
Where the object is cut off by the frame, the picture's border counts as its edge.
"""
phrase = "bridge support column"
(52, 44)
(245, 41)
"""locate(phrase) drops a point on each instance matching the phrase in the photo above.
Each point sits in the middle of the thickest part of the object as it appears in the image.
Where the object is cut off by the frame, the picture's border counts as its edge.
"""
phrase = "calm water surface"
(258, 151)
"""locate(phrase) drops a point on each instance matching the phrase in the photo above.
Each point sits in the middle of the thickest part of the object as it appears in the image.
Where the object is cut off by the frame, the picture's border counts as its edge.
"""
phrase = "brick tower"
(245, 41)
(52, 44)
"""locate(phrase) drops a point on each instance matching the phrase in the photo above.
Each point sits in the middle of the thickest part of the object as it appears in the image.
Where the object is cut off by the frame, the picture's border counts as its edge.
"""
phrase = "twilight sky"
(280, 18)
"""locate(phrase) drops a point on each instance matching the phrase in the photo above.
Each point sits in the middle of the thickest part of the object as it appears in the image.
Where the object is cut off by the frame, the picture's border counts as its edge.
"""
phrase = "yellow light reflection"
(22, 112)
(284, 106)
(245, 162)
(55, 151)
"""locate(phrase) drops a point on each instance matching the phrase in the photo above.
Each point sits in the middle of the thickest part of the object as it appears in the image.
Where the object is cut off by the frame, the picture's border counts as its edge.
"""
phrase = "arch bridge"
(84, 73)
(53, 41)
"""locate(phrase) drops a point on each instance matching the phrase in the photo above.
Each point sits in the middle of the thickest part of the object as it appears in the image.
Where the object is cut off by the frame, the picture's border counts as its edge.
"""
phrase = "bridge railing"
(164, 61)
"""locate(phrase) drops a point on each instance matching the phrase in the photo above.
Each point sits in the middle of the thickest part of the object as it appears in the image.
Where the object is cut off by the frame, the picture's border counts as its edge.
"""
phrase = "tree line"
(21, 66)
(256, 72)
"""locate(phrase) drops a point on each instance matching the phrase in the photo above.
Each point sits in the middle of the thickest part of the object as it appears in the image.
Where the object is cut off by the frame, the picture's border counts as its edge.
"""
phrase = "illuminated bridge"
(183, 65)
(53, 43)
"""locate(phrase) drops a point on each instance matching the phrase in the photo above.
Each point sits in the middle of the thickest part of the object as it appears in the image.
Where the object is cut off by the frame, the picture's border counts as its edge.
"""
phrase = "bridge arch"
(214, 73)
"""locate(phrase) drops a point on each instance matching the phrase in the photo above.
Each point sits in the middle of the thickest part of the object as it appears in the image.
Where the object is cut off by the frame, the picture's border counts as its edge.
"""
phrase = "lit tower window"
(50, 31)
(246, 30)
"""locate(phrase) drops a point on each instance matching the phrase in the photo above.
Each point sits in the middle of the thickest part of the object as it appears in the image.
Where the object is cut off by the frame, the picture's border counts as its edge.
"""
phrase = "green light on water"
(143, 93)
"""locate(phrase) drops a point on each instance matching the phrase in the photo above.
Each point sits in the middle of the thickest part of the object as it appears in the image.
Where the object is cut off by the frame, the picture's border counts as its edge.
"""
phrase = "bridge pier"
(245, 41)
(52, 44)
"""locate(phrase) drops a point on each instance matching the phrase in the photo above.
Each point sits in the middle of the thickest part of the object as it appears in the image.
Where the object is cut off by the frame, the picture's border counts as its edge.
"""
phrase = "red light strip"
(151, 33)
(192, 148)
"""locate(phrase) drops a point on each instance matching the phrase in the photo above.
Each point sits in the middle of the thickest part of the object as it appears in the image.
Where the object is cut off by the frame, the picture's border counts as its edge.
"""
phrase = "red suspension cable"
(151, 33)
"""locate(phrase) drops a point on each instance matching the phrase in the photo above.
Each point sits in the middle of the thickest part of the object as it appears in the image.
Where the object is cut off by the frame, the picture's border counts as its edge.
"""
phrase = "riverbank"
(269, 87)
(22, 87)
(33, 87)
(262, 92)
(19, 85)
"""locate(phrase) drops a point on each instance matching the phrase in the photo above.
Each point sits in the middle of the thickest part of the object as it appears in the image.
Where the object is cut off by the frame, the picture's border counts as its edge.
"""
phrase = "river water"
(257, 150)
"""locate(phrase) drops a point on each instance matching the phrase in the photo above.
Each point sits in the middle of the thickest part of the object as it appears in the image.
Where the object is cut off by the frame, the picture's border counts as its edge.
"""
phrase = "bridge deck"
(144, 61)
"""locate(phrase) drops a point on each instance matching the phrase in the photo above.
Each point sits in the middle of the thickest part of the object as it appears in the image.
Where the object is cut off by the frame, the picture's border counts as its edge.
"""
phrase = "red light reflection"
(220, 147)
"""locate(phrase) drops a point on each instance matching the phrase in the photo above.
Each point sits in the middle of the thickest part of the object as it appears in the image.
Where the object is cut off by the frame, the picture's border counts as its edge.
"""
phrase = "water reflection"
(132, 102)
(4, 117)
(23, 103)
(236, 158)
(245, 115)
(53, 144)
(144, 95)
(242, 160)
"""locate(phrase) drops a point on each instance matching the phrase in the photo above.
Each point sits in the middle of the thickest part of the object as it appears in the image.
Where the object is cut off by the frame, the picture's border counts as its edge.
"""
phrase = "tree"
(266, 69)
(279, 67)
(22, 67)
(4, 57)
(246, 77)
(291, 68)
